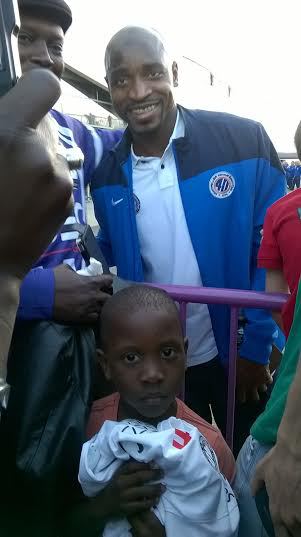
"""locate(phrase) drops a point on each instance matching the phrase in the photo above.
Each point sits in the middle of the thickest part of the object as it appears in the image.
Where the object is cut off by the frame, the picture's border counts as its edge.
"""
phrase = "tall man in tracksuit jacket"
(51, 290)
(181, 200)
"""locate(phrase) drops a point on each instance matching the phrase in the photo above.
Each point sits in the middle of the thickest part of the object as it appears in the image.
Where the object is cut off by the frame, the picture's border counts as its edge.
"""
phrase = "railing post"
(183, 314)
(232, 376)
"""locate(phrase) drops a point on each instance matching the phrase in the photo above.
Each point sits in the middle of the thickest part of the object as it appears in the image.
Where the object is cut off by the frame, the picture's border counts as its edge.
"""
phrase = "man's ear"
(103, 361)
(175, 74)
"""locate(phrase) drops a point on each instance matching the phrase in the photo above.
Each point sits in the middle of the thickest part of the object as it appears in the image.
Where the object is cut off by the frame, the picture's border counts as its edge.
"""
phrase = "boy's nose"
(152, 372)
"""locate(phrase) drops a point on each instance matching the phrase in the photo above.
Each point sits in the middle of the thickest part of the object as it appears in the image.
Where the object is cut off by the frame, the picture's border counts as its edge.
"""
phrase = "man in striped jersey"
(51, 290)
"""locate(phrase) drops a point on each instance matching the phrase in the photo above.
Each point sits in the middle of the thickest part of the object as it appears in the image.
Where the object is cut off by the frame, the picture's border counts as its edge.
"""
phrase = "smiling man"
(51, 290)
(181, 200)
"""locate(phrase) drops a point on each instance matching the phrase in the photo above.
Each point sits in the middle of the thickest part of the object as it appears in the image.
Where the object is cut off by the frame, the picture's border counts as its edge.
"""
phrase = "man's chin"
(146, 128)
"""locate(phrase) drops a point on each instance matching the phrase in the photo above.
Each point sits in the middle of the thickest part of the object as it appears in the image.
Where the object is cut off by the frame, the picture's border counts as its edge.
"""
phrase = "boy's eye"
(131, 358)
(168, 353)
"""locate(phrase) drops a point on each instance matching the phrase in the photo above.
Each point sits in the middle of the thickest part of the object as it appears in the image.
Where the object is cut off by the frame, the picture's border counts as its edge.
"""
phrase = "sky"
(254, 46)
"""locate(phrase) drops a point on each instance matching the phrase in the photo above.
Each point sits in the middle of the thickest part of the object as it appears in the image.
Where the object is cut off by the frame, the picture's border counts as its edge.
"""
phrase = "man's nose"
(40, 56)
(140, 89)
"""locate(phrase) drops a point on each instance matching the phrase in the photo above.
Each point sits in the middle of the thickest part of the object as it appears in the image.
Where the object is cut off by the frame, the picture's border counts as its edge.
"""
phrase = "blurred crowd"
(293, 173)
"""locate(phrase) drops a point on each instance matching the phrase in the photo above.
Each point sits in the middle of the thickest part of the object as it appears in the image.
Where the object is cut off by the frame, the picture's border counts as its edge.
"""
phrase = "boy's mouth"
(153, 399)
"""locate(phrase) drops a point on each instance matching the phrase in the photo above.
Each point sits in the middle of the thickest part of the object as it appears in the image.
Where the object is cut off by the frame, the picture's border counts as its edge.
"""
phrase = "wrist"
(289, 444)
(9, 300)
(9, 290)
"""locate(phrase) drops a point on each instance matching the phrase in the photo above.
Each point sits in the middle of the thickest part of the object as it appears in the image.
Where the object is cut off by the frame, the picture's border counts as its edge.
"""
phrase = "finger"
(268, 378)
(101, 299)
(263, 388)
(281, 531)
(132, 467)
(139, 478)
(294, 528)
(146, 492)
(103, 281)
(91, 318)
(31, 99)
(132, 508)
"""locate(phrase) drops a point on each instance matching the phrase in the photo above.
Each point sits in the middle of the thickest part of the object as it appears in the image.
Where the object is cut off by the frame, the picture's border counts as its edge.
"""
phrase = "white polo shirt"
(167, 253)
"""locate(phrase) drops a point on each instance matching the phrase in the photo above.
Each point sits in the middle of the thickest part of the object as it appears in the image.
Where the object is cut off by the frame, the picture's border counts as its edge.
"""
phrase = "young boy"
(143, 352)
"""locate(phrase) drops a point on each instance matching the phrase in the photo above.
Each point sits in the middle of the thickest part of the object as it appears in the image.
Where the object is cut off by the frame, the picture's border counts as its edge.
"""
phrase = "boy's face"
(145, 359)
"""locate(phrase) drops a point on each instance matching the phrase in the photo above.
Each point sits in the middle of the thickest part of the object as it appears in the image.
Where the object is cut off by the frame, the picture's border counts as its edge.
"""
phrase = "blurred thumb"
(30, 100)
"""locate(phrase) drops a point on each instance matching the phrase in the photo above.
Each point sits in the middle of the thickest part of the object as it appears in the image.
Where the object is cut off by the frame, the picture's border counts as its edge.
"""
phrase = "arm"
(97, 144)
(280, 468)
(270, 258)
(37, 295)
(128, 493)
(26, 168)
(9, 298)
(260, 330)
(276, 283)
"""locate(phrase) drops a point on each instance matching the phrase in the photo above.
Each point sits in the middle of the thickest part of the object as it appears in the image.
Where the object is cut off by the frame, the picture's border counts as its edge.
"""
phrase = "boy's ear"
(102, 360)
(186, 344)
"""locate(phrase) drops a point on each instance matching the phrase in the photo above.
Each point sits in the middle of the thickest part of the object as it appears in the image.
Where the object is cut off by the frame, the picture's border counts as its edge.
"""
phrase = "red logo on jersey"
(185, 439)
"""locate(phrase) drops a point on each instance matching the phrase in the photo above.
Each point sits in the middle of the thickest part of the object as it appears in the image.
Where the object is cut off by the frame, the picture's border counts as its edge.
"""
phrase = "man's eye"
(131, 358)
(155, 75)
(121, 82)
(168, 353)
(57, 49)
(24, 39)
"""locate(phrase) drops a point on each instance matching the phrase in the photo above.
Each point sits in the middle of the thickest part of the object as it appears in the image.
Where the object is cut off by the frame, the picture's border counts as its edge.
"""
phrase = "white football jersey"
(198, 501)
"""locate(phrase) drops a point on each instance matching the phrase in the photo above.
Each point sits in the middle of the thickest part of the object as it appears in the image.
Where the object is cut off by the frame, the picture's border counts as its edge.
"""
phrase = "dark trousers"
(205, 386)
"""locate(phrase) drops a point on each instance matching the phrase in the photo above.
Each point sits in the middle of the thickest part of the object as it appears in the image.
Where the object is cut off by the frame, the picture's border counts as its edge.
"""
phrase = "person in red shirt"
(280, 250)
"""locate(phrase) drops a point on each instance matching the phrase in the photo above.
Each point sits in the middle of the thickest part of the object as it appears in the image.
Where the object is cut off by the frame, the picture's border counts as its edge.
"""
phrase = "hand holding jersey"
(196, 499)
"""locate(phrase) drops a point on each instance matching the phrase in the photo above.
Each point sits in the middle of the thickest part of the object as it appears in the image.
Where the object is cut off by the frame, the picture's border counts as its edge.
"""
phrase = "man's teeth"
(144, 109)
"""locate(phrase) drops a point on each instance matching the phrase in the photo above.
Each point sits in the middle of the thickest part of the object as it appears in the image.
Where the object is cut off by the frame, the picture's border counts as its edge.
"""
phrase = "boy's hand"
(130, 492)
(146, 525)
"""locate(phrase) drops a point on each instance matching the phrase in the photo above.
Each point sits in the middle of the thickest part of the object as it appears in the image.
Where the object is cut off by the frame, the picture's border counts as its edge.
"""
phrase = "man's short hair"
(56, 11)
(134, 298)
(129, 30)
(298, 140)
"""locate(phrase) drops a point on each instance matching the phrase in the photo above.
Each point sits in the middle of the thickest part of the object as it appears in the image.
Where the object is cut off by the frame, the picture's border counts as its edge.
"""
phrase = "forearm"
(86, 518)
(275, 283)
(37, 295)
(9, 300)
(289, 432)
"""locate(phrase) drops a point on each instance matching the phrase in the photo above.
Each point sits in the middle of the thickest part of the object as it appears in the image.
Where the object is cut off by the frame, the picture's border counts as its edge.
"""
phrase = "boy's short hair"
(131, 299)
(298, 140)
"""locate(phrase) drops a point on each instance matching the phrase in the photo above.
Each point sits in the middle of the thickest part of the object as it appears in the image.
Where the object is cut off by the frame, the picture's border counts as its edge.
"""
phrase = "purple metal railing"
(236, 299)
